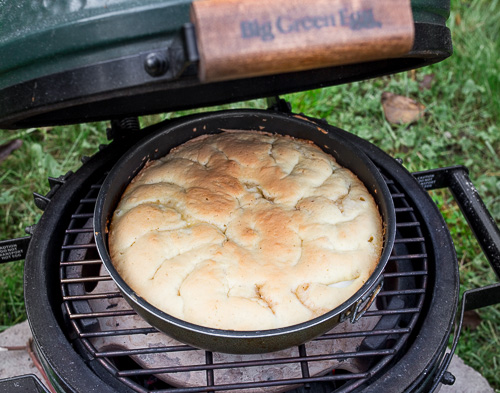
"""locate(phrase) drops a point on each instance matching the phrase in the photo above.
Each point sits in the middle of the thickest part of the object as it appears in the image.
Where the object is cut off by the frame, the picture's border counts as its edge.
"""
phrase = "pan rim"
(160, 132)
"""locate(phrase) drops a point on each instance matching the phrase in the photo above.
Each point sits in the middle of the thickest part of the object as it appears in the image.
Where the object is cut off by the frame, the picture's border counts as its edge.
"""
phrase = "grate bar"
(84, 279)
(102, 314)
(145, 351)
(284, 382)
(328, 336)
(304, 366)
(409, 256)
(407, 224)
(82, 215)
(366, 333)
(417, 291)
(77, 263)
(254, 363)
(209, 359)
(79, 230)
(106, 295)
(405, 274)
(88, 200)
(120, 332)
(403, 209)
(372, 313)
(410, 240)
(132, 385)
(78, 246)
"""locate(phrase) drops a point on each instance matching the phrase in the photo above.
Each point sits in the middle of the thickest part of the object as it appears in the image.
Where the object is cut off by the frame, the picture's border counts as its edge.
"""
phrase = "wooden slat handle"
(246, 38)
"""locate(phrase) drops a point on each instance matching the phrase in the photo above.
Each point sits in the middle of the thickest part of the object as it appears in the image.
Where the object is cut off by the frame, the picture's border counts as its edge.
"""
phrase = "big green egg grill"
(76, 61)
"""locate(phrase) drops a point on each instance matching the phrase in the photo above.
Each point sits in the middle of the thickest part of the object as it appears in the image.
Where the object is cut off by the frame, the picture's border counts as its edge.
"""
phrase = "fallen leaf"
(426, 82)
(9, 147)
(401, 110)
(471, 320)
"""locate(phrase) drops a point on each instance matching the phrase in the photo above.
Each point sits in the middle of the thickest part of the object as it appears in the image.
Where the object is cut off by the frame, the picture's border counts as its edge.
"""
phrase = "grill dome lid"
(74, 61)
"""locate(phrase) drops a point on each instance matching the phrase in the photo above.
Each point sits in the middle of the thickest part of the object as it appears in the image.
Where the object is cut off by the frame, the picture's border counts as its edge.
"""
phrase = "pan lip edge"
(160, 132)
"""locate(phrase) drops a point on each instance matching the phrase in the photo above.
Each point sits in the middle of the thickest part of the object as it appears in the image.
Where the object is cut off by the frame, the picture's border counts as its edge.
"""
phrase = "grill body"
(416, 306)
(52, 75)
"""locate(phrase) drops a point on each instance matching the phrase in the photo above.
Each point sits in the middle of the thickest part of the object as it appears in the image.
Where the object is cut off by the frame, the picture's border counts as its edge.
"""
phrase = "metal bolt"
(30, 229)
(448, 378)
(155, 64)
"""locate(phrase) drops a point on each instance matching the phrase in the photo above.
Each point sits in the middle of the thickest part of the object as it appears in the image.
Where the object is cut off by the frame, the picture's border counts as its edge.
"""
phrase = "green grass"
(460, 127)
(45, 152)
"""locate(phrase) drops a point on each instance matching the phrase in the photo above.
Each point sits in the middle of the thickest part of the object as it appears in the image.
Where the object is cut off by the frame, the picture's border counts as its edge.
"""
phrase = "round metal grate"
(103, 326)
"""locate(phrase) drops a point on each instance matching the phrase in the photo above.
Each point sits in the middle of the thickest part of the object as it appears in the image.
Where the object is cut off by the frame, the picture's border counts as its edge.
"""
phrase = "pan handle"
(14, 249)
(487, 234)
(457, 179)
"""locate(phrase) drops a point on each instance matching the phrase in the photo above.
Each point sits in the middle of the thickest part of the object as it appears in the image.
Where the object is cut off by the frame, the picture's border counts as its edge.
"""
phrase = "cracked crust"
(245, 231)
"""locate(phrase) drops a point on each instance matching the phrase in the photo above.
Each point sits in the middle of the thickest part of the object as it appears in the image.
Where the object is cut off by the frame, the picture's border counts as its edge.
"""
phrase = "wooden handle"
(246, 38)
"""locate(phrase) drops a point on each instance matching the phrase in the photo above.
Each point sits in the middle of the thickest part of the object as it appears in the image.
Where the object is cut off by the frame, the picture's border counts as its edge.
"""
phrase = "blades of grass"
(72, 149)
(20, 134)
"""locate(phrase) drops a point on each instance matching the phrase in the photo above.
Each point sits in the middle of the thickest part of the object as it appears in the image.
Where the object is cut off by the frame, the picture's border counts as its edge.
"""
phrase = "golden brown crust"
(246, 231)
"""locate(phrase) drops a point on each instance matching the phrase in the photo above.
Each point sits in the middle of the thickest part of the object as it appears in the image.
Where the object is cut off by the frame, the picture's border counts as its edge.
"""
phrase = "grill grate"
(96, 312)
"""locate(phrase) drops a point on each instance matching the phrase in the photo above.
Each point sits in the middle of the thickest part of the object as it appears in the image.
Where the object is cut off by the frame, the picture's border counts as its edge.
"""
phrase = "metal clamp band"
(358, 309)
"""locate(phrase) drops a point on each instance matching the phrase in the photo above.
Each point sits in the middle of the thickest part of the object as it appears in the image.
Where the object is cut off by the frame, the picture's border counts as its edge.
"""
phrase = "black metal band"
(163, 80)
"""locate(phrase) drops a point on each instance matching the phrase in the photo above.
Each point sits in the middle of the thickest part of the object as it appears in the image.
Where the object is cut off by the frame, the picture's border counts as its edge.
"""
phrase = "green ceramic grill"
(73, 61)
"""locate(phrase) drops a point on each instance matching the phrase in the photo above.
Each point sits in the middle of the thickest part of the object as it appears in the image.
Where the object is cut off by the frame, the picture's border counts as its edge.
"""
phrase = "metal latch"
(358, 309)
(41, 201)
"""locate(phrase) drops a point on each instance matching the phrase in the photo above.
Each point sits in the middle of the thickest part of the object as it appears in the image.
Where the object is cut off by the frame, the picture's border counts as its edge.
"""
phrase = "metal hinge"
(41, 201)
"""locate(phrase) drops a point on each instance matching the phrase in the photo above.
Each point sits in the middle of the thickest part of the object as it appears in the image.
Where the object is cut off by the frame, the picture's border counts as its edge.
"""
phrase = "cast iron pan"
(173, 134)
